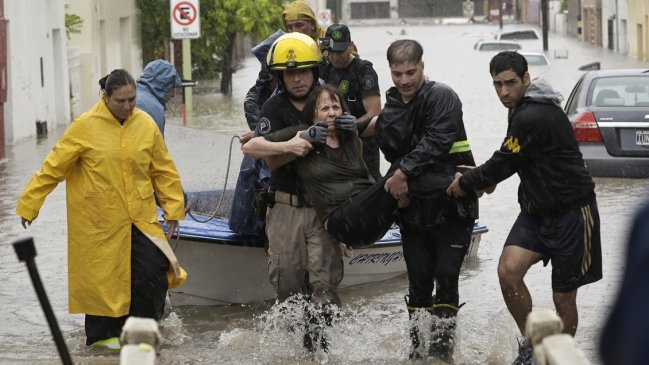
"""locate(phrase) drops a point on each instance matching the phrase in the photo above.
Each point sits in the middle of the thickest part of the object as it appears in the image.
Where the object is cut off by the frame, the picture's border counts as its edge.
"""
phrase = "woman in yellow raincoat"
(113, 158)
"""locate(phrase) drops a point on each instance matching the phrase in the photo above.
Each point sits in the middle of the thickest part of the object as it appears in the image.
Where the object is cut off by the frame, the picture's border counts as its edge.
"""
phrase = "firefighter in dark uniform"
(421, 130)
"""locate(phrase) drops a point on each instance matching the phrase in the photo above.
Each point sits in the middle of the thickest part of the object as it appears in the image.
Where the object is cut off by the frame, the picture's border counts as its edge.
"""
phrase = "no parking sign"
(185, 19)
(324, 17)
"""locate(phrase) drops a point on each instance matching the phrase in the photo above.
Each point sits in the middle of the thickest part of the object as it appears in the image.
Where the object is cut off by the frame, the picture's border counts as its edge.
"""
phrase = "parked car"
(535, 58)
(496, 46)
(609, 111)
(517, 34)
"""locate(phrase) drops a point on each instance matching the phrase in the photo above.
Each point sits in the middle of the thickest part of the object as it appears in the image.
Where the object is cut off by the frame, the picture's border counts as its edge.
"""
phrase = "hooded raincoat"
(157, 79)
(112, 171)
(301, 10)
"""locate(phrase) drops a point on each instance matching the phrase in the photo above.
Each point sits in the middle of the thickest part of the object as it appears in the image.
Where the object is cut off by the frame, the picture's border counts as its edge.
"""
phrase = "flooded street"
(373, 325)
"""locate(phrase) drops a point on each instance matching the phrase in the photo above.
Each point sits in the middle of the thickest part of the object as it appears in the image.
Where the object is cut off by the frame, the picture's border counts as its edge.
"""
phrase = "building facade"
(37, 88)
(638, 29)
(109, 39)
(50, 78)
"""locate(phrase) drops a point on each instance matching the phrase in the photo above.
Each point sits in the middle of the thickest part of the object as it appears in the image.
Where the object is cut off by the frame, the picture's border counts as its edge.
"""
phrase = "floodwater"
(372, 327)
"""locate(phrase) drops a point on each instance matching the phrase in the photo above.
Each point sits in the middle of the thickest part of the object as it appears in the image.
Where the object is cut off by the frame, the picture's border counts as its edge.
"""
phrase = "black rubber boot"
(413, 305)
(443, 332)
(314, 332)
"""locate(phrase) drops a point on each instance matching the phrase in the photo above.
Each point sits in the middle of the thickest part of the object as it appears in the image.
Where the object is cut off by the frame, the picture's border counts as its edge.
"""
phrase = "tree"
(155, 28)
(73, 24)
(221, 21)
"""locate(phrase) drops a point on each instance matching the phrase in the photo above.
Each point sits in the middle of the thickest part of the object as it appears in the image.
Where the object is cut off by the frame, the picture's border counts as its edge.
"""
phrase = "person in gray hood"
(559, 220)
(155, 87)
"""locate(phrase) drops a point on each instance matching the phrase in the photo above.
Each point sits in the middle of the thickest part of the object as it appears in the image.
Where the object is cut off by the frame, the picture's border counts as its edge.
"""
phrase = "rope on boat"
(218, 206)
(225, 184)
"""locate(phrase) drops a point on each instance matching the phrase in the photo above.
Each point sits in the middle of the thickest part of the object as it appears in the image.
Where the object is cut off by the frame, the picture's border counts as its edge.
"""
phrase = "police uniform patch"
(367, 82)
(343, 87)
(264, 126)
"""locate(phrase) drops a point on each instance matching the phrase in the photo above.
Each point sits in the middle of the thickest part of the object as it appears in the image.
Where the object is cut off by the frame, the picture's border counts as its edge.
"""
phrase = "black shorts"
(571, 241)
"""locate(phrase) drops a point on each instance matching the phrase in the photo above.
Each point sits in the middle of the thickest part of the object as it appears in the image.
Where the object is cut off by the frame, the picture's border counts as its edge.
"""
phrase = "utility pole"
(617, 28)
(545, 14)
(500, 13)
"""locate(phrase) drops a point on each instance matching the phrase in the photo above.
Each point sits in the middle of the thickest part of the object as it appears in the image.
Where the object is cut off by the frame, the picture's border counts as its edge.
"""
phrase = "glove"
(347, 123)
(316, 133)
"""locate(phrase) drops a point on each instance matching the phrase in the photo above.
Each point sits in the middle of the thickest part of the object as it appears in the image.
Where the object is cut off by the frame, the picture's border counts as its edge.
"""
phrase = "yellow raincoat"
(111, 173)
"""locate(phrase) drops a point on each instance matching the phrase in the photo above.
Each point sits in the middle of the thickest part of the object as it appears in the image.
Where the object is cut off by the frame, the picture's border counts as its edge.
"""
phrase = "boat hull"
(225, 268)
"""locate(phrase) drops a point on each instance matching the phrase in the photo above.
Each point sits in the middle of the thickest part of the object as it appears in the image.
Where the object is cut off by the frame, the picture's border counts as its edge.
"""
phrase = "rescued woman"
(353, 207)
(113, 158)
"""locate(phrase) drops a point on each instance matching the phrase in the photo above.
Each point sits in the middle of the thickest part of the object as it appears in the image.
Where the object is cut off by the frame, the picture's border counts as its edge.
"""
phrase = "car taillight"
(586, 129)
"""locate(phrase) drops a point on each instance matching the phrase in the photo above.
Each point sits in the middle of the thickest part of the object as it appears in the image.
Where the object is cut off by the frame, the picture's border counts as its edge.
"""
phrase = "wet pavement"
(372, 329)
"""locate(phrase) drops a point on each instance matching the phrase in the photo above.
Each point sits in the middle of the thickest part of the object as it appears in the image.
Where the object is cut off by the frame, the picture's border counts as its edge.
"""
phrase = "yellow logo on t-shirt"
(511, 143)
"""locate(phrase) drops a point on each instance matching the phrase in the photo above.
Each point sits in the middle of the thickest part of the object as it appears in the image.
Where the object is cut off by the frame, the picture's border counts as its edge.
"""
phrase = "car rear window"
(536, 60)
(620, 91)
(519, 34)
(499, 47)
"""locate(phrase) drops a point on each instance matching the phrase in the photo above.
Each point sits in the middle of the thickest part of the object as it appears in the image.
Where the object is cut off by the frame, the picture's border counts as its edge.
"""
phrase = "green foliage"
(563, 6)
(155, 27)
(73, 24)
(221, 21)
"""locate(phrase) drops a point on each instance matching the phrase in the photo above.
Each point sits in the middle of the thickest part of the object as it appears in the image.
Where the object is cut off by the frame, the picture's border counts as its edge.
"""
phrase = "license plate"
(642, 138)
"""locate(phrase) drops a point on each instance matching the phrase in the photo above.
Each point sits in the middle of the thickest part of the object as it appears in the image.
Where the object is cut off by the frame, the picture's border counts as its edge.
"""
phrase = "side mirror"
(189, 83)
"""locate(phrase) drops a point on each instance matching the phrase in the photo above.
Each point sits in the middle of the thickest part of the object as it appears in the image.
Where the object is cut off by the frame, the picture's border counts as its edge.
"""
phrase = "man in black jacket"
(559, 220)
(420, 131)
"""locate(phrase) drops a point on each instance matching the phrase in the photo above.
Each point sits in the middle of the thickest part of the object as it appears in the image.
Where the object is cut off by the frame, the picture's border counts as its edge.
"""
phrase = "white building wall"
(37, 87)
(622, 36)
(617, 11)
(109, 39)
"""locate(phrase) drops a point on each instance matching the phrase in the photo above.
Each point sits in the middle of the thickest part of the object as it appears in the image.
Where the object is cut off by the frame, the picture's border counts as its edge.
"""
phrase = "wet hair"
(311, 102)
(506, 61)
(114, 80)
(405, 51)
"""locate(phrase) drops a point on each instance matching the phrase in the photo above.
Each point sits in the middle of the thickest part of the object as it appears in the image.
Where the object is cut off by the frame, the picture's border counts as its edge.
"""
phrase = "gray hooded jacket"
(157, 79)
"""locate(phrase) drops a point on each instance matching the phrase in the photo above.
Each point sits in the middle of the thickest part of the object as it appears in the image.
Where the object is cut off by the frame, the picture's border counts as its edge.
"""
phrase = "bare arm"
(372, 105)
(369, 130)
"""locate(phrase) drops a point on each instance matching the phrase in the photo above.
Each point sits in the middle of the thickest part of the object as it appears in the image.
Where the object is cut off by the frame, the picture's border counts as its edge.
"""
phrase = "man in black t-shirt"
(357, 82)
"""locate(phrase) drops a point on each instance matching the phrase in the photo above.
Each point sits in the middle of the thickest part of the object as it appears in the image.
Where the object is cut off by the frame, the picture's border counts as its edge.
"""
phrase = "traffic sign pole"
(187, 75)
(185, 25)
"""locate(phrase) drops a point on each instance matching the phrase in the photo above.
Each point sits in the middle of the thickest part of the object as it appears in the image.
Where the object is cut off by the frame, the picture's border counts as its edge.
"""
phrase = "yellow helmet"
(293, 51)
